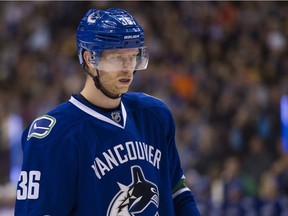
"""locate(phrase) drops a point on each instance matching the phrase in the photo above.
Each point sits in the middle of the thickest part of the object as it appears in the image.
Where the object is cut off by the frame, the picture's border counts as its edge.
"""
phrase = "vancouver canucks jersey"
(81, 160)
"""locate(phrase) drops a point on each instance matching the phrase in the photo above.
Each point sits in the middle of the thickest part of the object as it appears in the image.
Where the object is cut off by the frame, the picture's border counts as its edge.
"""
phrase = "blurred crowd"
(221, 67)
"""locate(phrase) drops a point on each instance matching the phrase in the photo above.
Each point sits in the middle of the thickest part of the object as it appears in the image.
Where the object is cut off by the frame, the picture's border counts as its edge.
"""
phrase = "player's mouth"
(125, 81)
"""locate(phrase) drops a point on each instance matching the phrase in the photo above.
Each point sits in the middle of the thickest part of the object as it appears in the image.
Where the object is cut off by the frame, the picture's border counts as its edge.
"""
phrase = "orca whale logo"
(134, 198)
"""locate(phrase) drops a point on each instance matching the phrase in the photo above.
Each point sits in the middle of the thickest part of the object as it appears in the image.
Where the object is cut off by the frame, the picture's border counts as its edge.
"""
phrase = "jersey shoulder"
(138, 100)
(148, 107)
(60, 121)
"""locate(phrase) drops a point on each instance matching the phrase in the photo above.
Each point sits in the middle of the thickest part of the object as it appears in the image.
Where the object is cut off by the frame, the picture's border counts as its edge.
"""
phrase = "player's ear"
(87, 59)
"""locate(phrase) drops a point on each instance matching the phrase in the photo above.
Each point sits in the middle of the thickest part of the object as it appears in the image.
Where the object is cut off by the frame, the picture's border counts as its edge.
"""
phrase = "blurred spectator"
(269, 195)
(258, 158)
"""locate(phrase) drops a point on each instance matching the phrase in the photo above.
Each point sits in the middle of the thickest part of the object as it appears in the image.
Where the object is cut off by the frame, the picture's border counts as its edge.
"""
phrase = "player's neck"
(96, 97)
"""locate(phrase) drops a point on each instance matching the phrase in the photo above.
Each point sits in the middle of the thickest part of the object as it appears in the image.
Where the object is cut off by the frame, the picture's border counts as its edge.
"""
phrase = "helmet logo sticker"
(131, 36)
(92, 18)
(125, 20)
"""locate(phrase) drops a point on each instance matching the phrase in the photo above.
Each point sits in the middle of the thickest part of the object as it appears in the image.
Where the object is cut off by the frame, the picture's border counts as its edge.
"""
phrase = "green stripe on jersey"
(181, 184)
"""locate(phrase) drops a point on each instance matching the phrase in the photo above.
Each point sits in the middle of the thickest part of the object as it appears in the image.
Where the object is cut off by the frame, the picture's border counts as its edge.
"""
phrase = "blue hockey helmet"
(101, 30)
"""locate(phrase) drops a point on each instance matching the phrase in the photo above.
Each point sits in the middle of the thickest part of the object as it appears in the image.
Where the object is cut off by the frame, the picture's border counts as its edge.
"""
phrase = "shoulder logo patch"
(41, 127)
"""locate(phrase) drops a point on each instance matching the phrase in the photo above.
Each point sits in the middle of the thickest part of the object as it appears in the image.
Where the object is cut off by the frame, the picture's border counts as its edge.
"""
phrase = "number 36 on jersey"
(29, 185)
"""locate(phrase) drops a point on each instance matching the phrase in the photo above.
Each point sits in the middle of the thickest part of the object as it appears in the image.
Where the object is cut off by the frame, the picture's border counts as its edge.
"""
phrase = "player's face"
(116, 70)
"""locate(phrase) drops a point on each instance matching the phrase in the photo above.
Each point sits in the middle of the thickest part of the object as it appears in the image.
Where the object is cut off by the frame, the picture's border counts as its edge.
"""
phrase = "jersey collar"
(98, 115)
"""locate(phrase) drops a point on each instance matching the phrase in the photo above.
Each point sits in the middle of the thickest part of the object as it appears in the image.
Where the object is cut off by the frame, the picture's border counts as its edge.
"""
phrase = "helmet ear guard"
(92, 58)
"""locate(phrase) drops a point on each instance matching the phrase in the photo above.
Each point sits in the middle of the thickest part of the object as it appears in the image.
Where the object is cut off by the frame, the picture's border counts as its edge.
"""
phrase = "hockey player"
(105, 151)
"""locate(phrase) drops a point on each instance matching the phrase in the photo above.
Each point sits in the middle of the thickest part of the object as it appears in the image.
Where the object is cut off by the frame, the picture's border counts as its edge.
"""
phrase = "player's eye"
(115, 58)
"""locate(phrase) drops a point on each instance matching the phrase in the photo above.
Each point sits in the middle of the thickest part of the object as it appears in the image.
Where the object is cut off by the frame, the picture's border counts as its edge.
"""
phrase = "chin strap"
(99, 86)
(102, 89)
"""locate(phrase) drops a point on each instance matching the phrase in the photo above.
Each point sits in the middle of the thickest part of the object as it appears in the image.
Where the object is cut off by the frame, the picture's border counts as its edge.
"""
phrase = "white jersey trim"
(99, 116)
(180, 191)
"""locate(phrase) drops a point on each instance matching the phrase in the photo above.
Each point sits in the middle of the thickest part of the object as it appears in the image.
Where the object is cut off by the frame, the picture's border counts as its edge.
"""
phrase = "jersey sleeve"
(184, 202)
(48, 179)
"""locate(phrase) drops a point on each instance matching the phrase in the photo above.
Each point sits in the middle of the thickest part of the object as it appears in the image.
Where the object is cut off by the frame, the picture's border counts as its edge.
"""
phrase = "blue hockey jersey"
(81, 160)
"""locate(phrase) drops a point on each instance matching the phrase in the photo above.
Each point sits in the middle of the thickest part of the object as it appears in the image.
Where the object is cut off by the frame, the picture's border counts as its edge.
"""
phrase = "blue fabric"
(185, 205)
(76, 162)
